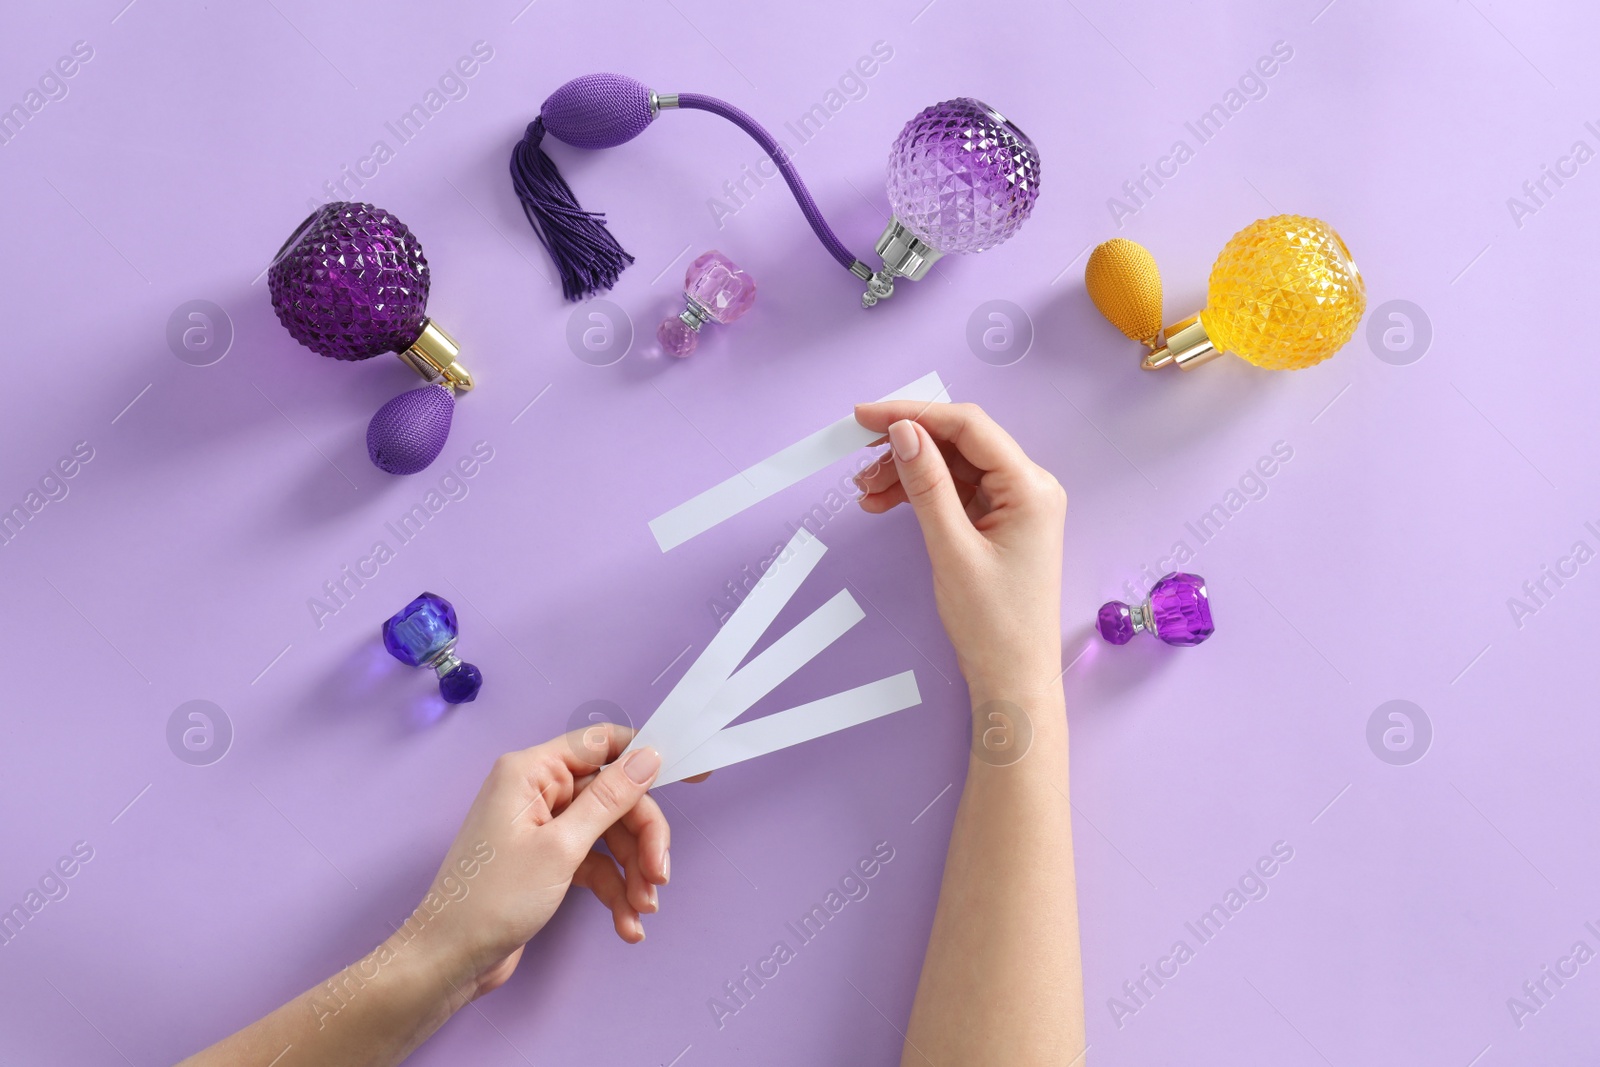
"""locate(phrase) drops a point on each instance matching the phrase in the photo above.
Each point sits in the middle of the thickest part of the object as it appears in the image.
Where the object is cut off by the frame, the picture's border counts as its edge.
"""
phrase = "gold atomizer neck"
(1188, 346)
(433, 356)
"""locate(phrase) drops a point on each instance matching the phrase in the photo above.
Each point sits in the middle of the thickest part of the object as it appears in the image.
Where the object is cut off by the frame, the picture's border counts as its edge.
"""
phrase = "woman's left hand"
(530, 835)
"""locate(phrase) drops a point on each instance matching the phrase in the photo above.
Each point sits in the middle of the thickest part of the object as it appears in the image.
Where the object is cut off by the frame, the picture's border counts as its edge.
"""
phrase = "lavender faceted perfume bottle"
(351, 282)
(714, 290)
(1178, 611)
(423, 634)
(962, 178)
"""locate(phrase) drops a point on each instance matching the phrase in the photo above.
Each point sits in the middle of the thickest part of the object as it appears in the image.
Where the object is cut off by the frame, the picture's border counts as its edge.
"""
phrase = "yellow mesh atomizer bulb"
(1284, 294)
(1125, 284)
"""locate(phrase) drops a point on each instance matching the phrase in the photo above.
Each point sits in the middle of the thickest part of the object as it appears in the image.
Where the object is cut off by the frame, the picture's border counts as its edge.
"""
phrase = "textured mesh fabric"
(1125, 284)
(409, 432)
(597, 111)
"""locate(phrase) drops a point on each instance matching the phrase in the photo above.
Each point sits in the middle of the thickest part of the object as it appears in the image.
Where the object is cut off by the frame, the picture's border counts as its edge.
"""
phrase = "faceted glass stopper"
(351, 282)
(460, 684)
(962, 177)
(676, 337)
(1115, 623)
(1178, 612)
(422, 631)
(719, 286)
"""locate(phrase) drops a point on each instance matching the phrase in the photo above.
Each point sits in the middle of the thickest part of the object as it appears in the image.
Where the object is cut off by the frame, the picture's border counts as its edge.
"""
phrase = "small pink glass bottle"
(715, 289)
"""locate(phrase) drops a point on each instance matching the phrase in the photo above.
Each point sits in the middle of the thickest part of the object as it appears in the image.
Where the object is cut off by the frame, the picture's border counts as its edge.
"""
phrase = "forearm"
(374, 1013)
(1002, 982)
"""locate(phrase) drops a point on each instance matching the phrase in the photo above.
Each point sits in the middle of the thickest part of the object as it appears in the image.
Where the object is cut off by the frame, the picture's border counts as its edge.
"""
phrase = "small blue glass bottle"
(423, 634)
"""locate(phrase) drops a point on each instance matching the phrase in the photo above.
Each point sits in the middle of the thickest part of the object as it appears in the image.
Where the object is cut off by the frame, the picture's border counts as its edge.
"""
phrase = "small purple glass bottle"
(1178, 612)
(351, 282)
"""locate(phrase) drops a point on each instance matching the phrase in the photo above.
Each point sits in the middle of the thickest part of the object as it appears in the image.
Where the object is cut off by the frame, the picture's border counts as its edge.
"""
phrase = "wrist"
(1018, 650)
(383, 1005)
(436, 954)
(1028, 676)
(1010, 723)
(429, 981)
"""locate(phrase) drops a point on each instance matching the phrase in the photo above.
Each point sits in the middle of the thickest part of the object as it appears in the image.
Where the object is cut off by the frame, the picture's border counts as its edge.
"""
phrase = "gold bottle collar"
(1188, 345)
(433, 356)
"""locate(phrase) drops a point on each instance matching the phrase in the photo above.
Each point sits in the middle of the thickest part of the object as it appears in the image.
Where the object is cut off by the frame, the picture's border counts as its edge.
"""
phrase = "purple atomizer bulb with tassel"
(962, 178)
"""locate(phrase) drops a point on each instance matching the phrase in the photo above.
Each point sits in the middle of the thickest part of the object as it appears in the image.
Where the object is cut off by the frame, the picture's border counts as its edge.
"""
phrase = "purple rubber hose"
(802, 195)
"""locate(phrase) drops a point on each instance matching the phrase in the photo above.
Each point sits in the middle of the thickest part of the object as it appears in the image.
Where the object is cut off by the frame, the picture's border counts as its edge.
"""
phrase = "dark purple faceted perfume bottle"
(351, 282)
(1178, 612)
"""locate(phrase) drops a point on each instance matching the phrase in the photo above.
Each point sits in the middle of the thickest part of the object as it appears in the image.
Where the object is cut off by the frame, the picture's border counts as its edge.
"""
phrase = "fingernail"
(903, 439)
(655, 899)
(666, 866)
(642, 765)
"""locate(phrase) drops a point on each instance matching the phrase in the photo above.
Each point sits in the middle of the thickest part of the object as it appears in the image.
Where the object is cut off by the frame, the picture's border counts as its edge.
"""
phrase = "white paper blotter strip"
(732, 643)
(776, 663)
(782, 729)
(799, 460)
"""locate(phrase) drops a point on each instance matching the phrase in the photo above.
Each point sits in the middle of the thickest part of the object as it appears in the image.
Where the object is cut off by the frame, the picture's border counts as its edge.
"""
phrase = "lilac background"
(1378, 566)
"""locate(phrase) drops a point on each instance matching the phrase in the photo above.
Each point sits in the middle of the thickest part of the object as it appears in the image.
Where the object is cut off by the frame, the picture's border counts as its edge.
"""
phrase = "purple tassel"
(589, 258)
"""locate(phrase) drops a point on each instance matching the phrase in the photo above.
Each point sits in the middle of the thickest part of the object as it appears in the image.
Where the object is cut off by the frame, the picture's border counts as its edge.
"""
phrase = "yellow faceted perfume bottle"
(1284, 294)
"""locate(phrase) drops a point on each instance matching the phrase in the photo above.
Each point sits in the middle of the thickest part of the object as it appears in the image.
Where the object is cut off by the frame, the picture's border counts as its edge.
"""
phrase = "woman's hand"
(530, 835)
(992, 520)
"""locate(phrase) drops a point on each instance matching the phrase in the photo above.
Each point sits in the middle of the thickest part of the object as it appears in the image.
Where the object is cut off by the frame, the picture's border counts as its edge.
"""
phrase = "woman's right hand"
(993, 521)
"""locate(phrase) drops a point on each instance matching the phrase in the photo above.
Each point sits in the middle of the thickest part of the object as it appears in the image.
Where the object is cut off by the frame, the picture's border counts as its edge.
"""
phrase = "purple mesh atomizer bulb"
(352, 282)
(1178, 611)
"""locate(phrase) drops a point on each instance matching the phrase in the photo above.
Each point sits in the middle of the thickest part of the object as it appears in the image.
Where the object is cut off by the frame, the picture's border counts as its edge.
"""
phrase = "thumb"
(609, 796)
(925, 477)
